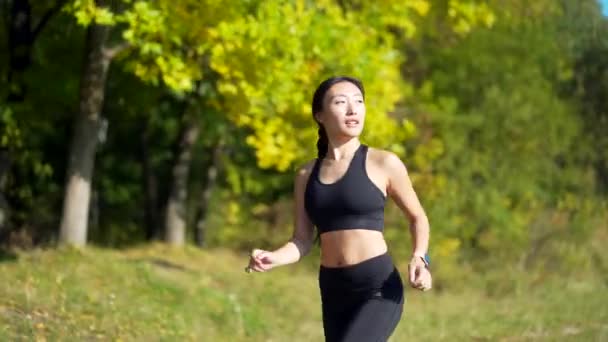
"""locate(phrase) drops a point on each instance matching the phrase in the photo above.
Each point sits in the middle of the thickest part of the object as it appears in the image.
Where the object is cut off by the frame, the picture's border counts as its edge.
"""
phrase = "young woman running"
(342, 193)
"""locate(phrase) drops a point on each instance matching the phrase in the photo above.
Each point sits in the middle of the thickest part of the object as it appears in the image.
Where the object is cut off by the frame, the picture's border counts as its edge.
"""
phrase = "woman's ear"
(318, 117)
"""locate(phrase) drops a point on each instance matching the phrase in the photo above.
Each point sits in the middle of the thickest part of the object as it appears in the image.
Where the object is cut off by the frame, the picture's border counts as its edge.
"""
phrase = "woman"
(343, 193)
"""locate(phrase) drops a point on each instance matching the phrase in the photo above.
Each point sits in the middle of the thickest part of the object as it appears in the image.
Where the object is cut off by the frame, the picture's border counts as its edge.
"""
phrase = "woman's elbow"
(303, 245)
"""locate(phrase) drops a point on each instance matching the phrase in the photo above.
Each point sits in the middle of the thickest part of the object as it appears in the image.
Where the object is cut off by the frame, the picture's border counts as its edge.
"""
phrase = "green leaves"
(482, 100)
(11, 134)
(506, 141)
(157, 51)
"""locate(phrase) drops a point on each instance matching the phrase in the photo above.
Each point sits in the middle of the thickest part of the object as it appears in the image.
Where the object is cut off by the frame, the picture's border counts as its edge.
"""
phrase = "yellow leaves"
(143, 71)
(466, 15)
(268, 59)
(144, 18)
(420, 6)
(213, 33)
(171, 69)
(274, 145)
(103, 15)
(269, 65)
(144, 23)
(86, 12)
(228, 88)
(390, 14)
(176, 73)
(488, 18)
(179, 80)
(161, 45)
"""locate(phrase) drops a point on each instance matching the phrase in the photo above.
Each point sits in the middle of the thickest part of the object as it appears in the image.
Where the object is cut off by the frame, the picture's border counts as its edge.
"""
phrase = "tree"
(151, 62)
(507, 141)
(22, 36)
(25, 25)
(584, 33)
(87, 128)
(263, 77)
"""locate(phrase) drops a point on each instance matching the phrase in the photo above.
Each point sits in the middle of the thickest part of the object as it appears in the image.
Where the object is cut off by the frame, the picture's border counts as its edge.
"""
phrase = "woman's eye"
(339, 102)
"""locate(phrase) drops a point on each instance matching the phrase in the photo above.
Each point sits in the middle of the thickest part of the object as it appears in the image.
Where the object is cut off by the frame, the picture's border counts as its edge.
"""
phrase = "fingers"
(259, 261)
(256, 268)
(424, 281)
(419, 277)
(415, 266)
(262, 258)
(412, 272)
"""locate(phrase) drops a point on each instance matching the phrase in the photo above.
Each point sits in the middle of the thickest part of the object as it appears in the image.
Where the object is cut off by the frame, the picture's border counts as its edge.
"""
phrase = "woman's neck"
(342, 150)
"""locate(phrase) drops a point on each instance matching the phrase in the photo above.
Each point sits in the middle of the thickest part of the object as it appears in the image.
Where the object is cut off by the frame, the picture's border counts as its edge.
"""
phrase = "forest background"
(155, 128)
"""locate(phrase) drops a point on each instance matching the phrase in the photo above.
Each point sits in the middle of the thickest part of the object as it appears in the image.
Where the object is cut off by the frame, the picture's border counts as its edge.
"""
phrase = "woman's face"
(343, 112)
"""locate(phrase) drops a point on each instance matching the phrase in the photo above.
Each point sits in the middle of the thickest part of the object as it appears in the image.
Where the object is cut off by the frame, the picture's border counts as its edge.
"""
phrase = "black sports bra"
(352, 202)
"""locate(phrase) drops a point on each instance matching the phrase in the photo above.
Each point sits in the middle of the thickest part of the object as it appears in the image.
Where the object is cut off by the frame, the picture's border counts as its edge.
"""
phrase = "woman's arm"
(401, 190)
(303, 235)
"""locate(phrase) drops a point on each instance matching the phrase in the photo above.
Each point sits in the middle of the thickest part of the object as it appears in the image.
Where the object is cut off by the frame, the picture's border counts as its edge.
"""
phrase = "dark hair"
(317, 106)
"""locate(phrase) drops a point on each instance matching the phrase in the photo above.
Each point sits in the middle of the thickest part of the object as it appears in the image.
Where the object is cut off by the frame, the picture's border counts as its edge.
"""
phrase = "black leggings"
(361, 302)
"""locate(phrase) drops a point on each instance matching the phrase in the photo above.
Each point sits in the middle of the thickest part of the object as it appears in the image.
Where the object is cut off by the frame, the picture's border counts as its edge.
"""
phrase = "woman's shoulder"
(304, 170)
(384, 159)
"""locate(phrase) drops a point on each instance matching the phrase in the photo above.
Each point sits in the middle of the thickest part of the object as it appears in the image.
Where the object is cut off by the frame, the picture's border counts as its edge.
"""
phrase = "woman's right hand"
(261, 261)
(420, 277)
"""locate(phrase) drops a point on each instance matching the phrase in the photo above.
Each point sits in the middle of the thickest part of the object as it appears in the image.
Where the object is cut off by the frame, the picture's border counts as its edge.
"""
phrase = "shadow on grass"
(164, 264)
(7, 256)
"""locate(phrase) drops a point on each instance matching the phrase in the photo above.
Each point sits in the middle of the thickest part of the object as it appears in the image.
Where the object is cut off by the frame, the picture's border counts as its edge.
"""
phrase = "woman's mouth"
(352, 123)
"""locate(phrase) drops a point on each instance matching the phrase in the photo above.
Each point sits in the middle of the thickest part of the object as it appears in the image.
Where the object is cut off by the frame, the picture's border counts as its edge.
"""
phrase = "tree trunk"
(73, 229)
(150, 187)
(175, 216)
(201, 214)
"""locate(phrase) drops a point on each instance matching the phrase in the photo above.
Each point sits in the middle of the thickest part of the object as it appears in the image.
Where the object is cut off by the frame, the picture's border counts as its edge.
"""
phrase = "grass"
(155, 293)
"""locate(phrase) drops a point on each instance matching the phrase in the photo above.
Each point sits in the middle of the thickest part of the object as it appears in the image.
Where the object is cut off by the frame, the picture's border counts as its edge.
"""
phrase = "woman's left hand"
(419, 274)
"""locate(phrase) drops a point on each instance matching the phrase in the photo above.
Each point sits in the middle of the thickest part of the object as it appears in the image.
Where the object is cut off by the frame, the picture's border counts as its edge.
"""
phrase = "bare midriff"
(349, 247)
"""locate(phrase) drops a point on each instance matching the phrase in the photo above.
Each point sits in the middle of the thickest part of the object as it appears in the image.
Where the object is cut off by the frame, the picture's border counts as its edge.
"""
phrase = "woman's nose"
(350, 110)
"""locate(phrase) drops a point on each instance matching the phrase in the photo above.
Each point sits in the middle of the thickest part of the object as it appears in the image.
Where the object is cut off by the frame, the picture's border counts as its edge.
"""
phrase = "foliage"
(264, 74)
(496, 107)
(508, 142)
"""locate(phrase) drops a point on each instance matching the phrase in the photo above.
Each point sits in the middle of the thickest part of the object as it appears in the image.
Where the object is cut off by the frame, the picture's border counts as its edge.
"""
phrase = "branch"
(111, 52)
(45, 18)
